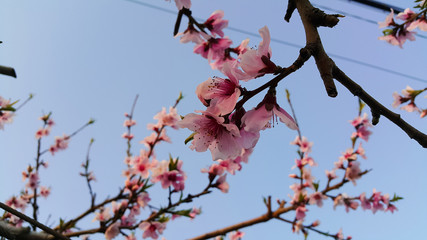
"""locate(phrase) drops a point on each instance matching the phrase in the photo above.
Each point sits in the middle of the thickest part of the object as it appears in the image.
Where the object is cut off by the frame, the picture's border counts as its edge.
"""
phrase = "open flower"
(213, 48)
(211, 132)
(215, 23)
(258, 118)
(257, 62)
(152, 229)
(220, 94)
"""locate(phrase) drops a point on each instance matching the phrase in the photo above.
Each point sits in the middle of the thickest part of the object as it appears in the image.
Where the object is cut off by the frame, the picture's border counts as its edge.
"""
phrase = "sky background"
(89, 59)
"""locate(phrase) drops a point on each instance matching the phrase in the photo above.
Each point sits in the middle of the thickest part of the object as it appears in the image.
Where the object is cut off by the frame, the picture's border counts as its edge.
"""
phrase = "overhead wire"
(356, 16)
(291, 44)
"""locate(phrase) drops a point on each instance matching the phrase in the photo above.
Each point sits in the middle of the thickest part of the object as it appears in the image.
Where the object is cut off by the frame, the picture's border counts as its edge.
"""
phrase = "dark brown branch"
(7, 71)
(324, 64)
(305, 54)
(89, 211)
(328, 70)
(267, 216)
(378, 108)
(26, 231)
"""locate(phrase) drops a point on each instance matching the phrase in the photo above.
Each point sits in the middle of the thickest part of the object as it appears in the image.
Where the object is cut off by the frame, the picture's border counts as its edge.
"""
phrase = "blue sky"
(88, 59)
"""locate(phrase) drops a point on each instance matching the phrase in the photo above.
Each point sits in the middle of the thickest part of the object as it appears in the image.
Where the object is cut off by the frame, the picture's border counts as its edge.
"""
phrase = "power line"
(378, 5)
(290, 44)
(357, 17)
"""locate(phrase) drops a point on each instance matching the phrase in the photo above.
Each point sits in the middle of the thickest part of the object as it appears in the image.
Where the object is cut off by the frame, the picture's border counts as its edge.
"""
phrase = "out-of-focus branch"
(7, 71)
(12, 232)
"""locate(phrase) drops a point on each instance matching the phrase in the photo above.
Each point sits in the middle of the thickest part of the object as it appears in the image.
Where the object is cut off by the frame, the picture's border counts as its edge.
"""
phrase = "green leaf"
(387, 32)
(185, 213)
(396, 198)
(316, 185)
(190, 138)
(163, 218)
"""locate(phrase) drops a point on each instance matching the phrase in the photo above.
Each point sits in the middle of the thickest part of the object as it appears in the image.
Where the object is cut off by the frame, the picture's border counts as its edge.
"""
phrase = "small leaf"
(316, 185)
(190, 138)
(396, 198)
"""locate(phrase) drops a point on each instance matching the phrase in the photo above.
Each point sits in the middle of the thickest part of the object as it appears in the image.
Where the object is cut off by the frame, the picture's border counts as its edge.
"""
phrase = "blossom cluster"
(224, 127)
(6, 112)
(141, 170)
(409, 95)
(306, 191)
(397, 34)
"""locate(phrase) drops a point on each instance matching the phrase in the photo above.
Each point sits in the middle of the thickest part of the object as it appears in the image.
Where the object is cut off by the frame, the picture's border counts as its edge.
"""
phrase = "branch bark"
(328, 70)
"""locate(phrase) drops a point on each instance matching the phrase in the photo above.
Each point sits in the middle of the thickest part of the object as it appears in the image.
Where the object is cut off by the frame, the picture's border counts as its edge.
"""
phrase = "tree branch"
(12, 232)
(328, 70)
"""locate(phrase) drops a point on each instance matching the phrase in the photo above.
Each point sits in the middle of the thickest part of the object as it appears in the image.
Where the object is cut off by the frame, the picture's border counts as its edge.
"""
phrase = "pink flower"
(296, 227)
(398, 37)
(211, 132)
(61, 143)
(214, 170)
(213, 48)
(142, 164)
(258, 118)
(33, 181)
(143, 199)
(129, 123)
(221, 184)
(194, 212)
(300, 212)
(411, 107)
(127, 136)
(257, 62)
(317, 198)
(103, 215)
(391, 208)
(421, 23)
(237, 235)
(388, 21)
(407, 14)
(362, 132)
(190, 35)
(182, 4)
(44, 191)
(303, 143)
(168, 119)
(220, 94)
(42, 132)
(215, 23)
(16, 203)
(350, 205)
(364, 203)
(330, 174)
(152, 229)
(6, 117)
(353, 171)
(349, 154)
(112, 231)
(361, 151)
(168, 177)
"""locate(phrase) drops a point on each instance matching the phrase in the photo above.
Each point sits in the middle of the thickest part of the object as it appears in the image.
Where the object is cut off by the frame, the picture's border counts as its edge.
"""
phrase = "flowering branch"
(8, 229)
(329, 70)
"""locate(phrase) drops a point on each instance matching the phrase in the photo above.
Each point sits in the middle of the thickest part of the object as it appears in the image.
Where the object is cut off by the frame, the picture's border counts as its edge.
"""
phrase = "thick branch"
(17, 232)
(265, 217)
(378, 108)
(328, 70)
(7, 71)
(311, 18)
(21, 233)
